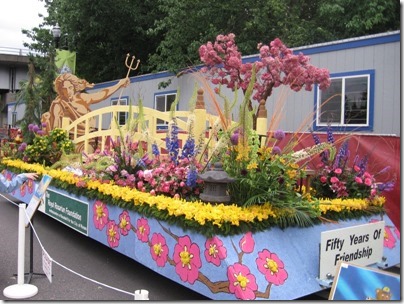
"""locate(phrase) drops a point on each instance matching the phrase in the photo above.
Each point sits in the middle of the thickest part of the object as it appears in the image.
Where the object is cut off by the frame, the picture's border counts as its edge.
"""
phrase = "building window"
(122, 116)
(348, 103)
(13, 119)
(163, 102)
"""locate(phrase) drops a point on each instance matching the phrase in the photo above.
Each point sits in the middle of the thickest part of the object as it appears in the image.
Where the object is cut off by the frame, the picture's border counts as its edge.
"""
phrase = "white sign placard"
(47, 265)
(362, 244)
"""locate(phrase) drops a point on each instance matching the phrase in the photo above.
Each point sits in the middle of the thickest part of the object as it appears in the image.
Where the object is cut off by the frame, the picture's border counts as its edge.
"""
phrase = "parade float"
(229, 209)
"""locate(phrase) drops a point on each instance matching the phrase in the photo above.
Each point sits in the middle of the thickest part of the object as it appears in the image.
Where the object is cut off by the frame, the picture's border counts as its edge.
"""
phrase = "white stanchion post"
(141, 295)
(20, 290)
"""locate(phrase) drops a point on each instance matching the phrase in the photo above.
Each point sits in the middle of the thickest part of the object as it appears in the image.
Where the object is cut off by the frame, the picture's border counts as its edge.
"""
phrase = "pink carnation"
(334, 179)
(368, 181)
(338, 171)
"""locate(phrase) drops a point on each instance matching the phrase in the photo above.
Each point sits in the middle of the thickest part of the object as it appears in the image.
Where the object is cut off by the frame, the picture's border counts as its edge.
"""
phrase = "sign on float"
(362, 244)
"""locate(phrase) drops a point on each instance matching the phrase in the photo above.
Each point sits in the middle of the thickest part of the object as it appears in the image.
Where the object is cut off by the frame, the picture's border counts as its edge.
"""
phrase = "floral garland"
(205, 218)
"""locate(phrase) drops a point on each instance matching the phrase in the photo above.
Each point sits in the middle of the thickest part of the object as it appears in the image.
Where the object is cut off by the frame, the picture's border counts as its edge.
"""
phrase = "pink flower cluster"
(277, 66)
(169, 179)
(348, 183)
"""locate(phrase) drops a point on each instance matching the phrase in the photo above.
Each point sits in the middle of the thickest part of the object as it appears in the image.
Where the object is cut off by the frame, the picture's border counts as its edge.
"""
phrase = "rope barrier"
(7, 199)
(64, 267)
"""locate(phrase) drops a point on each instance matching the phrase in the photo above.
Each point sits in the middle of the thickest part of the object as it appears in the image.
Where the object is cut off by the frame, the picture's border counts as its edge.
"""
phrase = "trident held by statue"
(130, 68)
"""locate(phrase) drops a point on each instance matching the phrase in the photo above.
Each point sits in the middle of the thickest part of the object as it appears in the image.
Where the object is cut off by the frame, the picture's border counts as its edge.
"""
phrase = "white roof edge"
(338, 41)
(347, 40)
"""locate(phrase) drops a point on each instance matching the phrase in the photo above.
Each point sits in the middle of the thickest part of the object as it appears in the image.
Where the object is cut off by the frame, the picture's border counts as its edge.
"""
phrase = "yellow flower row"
(339, 205)
(198, 211)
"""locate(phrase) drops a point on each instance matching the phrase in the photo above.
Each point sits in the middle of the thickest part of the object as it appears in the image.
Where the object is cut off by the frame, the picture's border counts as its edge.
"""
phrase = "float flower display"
(267, 191)
(340, 175)
(300, 209)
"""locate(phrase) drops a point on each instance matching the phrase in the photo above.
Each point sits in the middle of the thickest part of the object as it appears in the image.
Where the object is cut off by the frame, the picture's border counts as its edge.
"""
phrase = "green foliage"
(48, 149)
(36, 94)
(166, 34)
(352, 18)
(103, 32)
(261, 175)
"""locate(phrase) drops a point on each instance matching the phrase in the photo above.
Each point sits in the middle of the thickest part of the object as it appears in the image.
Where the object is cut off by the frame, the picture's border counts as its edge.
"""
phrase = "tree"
(187, 24)
(37, 92)
(102, 33)
(353, 18)
(166, 34)
(277, 66)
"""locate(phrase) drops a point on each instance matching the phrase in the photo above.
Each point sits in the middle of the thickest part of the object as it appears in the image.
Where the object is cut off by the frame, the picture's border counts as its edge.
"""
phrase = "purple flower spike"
(276, 150)
(22, 147)
(234, 137)
(279, 134)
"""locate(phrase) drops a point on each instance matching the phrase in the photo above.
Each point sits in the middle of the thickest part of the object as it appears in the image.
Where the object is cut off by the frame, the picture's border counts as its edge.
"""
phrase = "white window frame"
(162, 102)
(356, 100)
(13, 119)
(122, 116)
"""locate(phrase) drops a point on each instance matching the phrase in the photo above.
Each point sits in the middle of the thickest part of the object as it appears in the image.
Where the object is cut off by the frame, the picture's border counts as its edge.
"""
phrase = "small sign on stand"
(47, 265)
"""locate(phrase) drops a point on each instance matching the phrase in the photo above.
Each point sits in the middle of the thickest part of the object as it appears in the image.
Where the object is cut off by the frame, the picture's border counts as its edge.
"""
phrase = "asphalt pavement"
(82, 269)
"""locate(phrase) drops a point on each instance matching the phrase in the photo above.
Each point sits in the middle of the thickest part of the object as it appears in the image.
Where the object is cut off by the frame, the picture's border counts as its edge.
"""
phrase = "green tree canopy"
(166, 34)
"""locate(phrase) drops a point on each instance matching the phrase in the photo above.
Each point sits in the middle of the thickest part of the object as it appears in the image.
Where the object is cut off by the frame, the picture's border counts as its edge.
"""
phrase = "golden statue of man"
(73, 102)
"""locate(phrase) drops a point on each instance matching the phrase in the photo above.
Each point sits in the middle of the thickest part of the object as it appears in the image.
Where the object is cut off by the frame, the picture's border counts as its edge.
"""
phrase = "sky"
(15, 16)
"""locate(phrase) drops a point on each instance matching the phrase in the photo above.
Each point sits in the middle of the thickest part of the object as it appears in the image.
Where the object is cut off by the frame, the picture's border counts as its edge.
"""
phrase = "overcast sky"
(16, 15)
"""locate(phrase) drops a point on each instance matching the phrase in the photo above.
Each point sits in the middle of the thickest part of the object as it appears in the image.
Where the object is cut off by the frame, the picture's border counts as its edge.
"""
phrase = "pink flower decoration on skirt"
(247, 243)
(159, 249)
(215, 251)
(113, 234)
(242, 282)
(124, 223)
(187, 259)
(272, 267)
(143, 230)
(100, 217)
